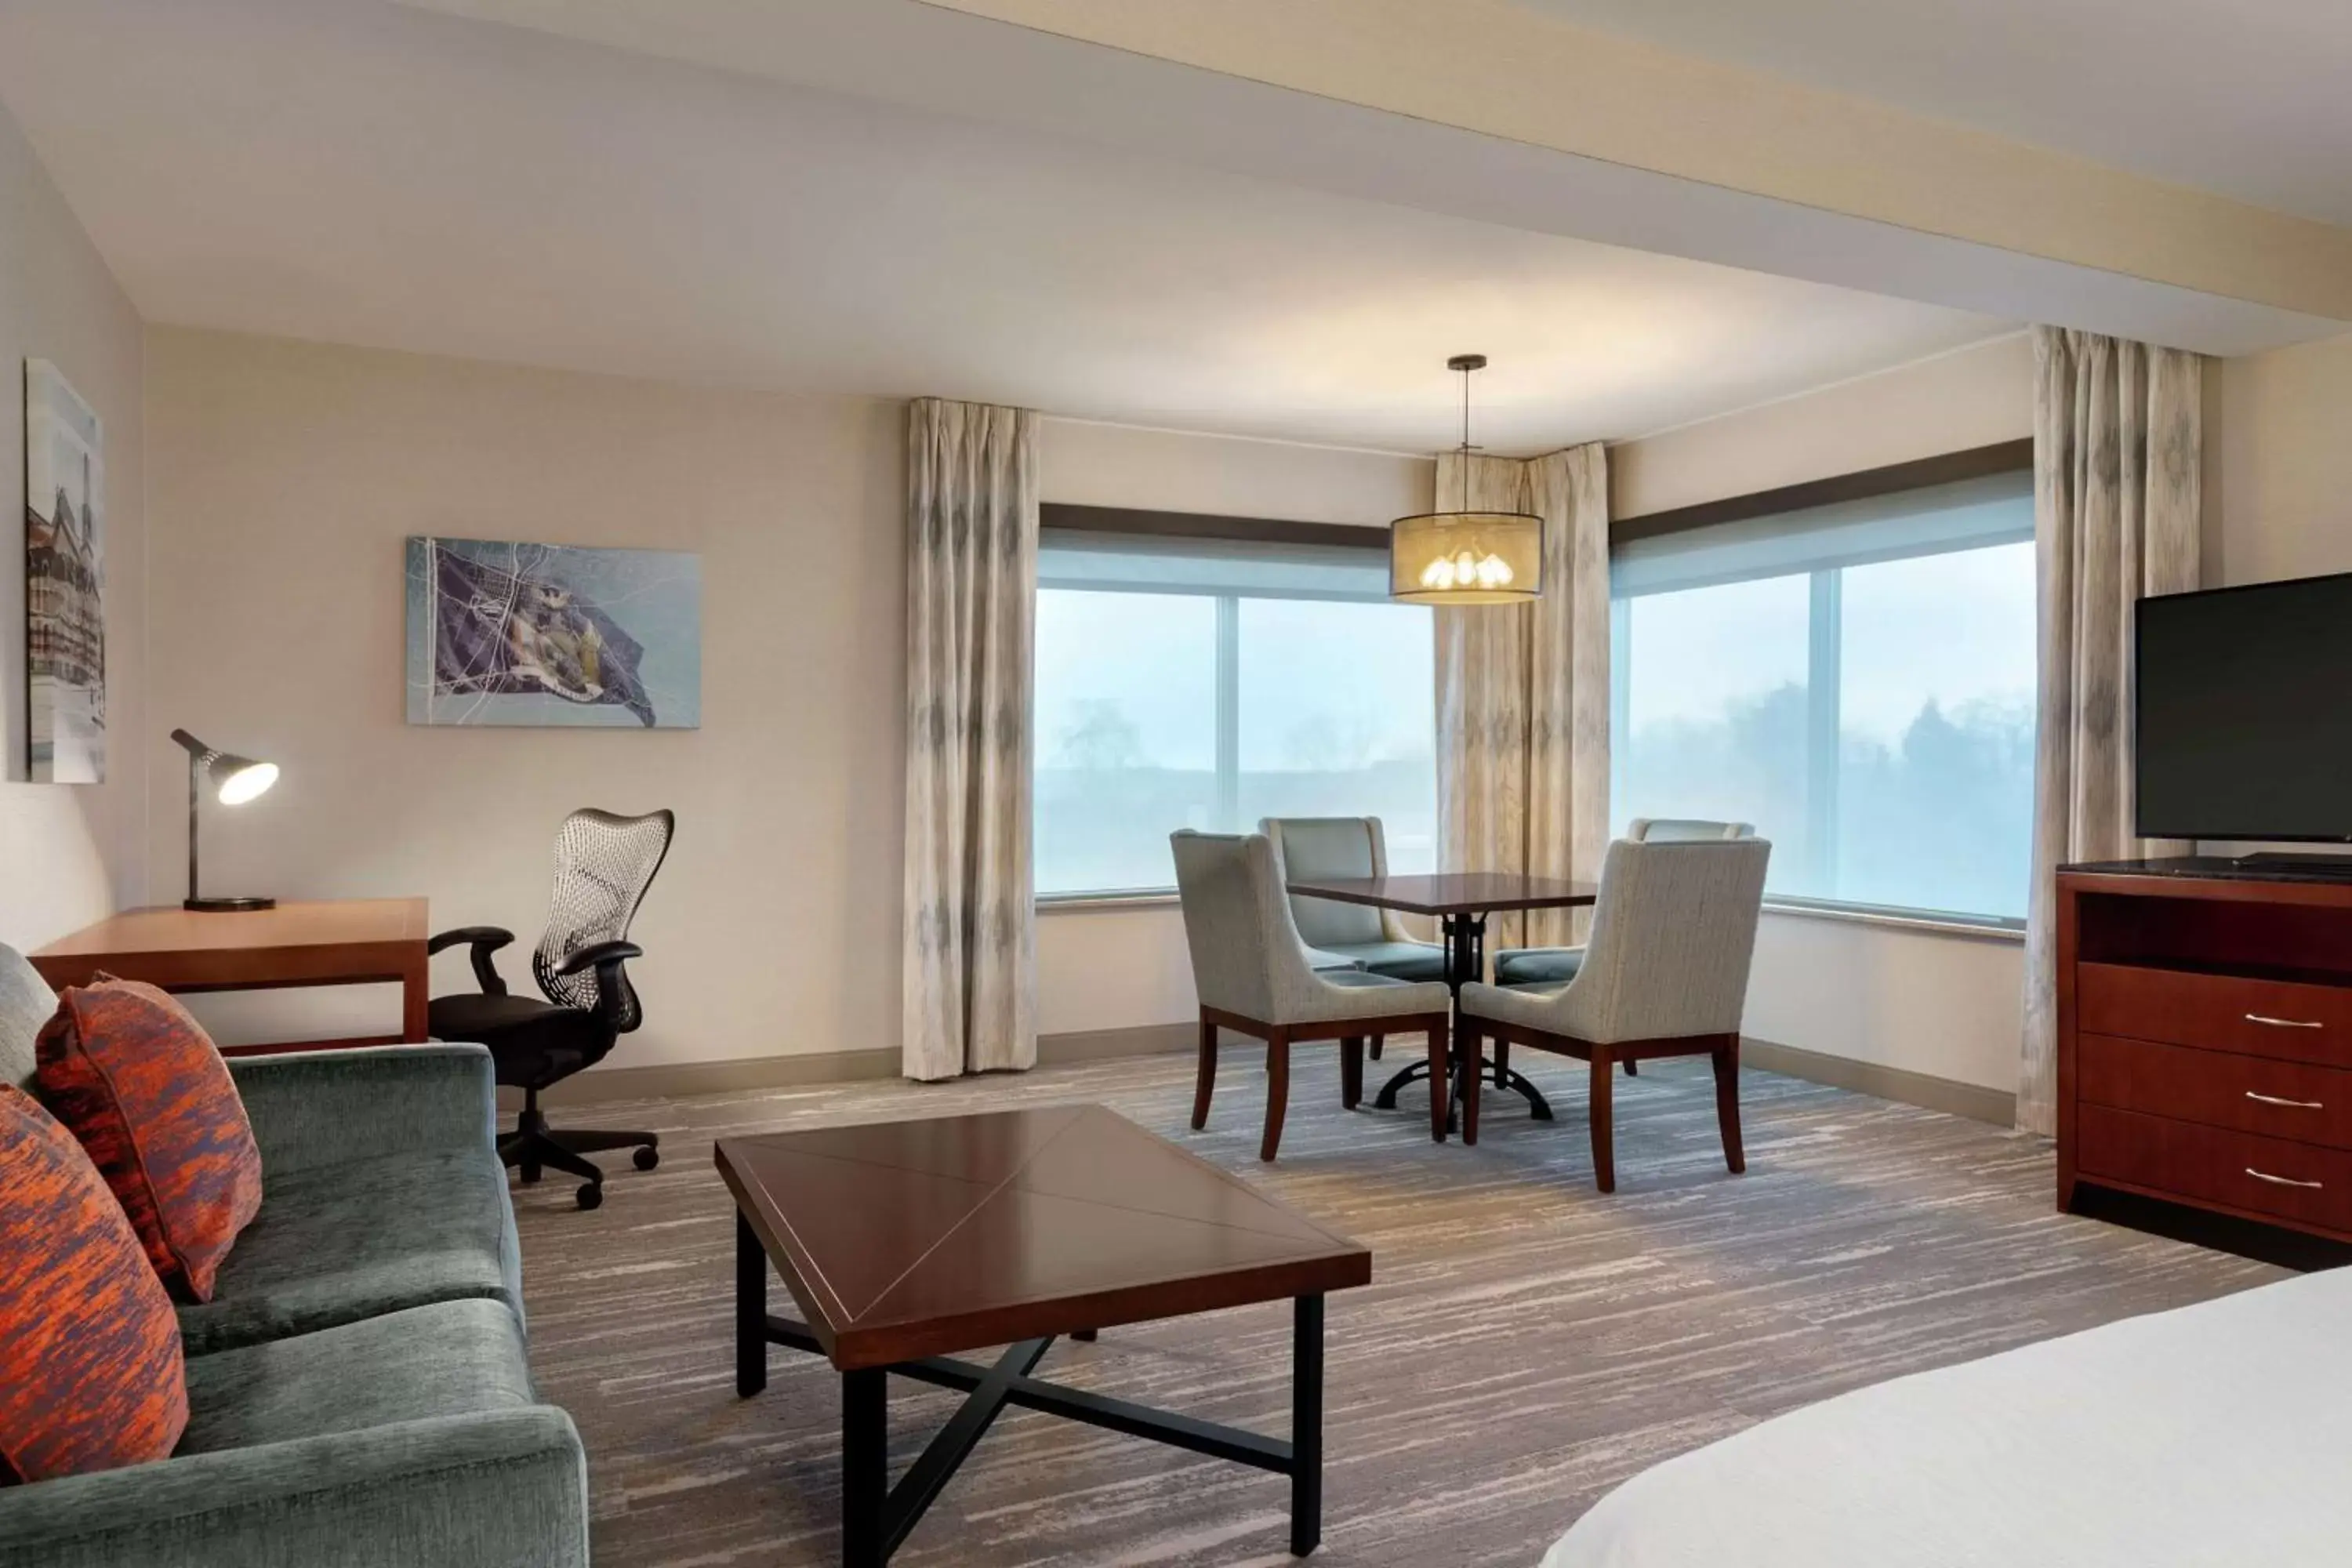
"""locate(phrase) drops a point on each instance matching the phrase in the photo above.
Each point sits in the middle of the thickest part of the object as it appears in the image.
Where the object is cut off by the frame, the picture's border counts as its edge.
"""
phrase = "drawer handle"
(2281, 1180)
(2284, 1022)
(2296, 1104)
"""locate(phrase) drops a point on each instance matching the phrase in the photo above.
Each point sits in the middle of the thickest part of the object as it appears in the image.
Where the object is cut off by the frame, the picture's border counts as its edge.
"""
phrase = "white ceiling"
(350, 171)
(2246, 98)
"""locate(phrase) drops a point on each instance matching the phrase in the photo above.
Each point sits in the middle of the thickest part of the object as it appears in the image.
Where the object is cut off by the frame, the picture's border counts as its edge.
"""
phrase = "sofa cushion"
(141, 1084)
(91, 1374)
(451, 1358)
(334, 1244)
(25, 1003)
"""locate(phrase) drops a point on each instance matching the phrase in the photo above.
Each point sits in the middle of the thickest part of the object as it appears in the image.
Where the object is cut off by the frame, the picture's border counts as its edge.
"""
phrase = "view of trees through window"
(1161, 711)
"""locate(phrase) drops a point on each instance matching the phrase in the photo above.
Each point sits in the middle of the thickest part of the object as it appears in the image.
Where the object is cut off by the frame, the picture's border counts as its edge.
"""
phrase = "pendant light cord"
(1465, 439)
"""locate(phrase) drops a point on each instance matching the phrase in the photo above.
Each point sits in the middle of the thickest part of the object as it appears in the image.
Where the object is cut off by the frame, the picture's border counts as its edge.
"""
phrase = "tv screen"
(2244, 721)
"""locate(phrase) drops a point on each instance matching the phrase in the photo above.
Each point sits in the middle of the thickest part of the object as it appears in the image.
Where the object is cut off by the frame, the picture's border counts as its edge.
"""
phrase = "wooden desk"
(345, 942)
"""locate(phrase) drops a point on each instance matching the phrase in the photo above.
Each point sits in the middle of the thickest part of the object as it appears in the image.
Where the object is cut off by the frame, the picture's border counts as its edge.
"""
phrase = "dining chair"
(1665, 974)
(1252, 975)
(1348, 936)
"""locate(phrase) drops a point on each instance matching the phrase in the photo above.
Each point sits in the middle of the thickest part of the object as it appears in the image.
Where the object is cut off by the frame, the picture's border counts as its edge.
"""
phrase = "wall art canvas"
(65, 619)
(505, 633)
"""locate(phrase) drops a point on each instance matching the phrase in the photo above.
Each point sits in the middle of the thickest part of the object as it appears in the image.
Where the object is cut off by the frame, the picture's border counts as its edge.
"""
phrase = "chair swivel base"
(534, 1146)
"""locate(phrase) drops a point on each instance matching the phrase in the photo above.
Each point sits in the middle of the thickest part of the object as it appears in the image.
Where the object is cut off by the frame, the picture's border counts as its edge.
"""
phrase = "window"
(1206, 683)
(1857, 680)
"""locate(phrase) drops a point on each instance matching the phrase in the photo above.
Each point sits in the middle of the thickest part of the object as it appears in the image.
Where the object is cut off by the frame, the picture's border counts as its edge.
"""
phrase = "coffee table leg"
(1306, 1425)
(751, 1310)
(865, 1468)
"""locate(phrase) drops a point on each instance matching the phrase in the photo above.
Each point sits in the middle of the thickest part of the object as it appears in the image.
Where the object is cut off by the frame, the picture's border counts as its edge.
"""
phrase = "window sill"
(1981, 928)
(1104, 904)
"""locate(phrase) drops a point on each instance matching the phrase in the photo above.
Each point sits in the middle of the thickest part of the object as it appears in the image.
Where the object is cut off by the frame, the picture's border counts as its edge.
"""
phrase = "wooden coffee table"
(904, 1242)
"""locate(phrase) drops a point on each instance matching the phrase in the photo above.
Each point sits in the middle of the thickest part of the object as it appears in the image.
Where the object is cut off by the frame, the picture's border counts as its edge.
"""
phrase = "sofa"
(358, 1392)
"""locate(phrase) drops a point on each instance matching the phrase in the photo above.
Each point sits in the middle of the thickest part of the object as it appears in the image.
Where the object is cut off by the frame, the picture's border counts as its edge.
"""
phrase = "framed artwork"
(65, 617)
(507, 633)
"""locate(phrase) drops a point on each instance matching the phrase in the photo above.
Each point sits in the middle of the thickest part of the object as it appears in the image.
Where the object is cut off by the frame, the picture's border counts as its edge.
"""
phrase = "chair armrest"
(491, 1489)
(485, 940)
(323, 1108)
(596, 955)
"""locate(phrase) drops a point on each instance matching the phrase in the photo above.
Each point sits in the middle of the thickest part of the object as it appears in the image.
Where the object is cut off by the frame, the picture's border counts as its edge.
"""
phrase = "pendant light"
(1465, 557)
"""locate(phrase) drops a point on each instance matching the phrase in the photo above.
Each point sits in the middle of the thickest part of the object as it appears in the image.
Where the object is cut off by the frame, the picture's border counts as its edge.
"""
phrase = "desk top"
(903, 1239)
(1451, 894)
(337, 922)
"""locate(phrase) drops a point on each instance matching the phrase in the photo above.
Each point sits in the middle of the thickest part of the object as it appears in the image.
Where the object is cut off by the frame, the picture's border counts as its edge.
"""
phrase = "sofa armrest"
(504, 1488)
(322, 1108)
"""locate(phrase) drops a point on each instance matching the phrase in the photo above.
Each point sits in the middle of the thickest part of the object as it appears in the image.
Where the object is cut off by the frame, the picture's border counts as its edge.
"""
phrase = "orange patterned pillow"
(90, 1372)
(141, 1084)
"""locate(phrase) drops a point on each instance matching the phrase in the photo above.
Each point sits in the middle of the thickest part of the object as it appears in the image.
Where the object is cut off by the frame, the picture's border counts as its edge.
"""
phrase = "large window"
(1857, 680)
(1206, 683)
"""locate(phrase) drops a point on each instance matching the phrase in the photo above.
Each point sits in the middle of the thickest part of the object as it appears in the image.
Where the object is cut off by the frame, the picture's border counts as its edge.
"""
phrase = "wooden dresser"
(2205, 1037)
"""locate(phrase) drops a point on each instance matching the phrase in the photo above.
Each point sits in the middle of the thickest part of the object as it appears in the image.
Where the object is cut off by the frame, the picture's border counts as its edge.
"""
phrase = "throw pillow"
(90, 1370)
(141, 1084)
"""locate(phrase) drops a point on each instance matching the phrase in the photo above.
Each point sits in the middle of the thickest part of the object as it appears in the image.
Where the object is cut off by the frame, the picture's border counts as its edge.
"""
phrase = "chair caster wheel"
(529, 1174)
(590, 1194)
(647, 1158)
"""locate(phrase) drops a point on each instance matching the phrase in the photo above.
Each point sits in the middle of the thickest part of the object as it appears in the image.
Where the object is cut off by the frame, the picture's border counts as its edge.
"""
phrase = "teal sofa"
(358, 1392)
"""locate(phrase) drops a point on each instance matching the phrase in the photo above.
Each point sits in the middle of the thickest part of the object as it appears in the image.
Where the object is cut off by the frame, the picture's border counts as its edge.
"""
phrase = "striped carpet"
(1525, 1343)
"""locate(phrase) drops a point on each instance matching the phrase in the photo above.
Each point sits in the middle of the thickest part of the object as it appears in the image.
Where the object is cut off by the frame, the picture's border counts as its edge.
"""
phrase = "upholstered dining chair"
(1665, 974)
(1348, 936)
(604, 864)
(1254, 976)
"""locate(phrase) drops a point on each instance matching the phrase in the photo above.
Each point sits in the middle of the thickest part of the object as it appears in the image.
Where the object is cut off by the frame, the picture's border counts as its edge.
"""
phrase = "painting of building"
(507, 633)
(65, 630)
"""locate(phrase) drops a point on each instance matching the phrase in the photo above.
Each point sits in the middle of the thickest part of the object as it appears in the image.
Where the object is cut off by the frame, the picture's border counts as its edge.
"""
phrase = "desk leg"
(1306, 1425)
(415, 995)
(864, 1468)
(751, 1310)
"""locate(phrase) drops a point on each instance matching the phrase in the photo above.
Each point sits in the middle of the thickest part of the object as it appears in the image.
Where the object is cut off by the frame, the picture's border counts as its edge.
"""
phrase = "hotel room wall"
(71, 853)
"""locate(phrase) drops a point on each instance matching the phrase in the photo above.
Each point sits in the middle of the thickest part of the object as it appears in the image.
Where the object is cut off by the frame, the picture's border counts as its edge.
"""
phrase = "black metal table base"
(1466, 960)
(877, 1517)
(1505, 1077)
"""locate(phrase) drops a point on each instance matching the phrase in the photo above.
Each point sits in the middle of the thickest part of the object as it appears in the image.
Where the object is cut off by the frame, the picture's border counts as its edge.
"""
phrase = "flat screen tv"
(2245, 712)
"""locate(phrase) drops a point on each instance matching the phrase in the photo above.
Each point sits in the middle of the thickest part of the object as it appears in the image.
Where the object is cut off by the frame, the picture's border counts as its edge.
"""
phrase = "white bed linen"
(2217, 1434)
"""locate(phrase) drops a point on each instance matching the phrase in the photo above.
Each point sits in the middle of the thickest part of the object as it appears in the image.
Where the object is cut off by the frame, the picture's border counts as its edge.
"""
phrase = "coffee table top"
(903, 1239)
(1451, 893)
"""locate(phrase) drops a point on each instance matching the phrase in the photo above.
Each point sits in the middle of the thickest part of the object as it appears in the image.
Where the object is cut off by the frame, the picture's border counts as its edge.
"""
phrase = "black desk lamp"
(236, 780)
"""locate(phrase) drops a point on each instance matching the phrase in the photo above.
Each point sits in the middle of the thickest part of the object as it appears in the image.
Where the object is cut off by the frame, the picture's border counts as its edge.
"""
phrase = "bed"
(2217, 1434)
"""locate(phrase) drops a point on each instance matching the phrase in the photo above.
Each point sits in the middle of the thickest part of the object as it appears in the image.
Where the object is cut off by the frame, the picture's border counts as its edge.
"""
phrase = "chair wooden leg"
(1441, 1073)
(1206, 1083)
(1726, 1102)
(1278, 1092)
(1604, 1129)
(1473, 1069)
(1376, 1047)
(1351, 1072)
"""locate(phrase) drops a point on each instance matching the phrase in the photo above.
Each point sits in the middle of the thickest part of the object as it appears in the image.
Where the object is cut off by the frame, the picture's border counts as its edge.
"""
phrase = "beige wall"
(2278, 491)
(1946, 1006)
(286, 477)
(71, 852)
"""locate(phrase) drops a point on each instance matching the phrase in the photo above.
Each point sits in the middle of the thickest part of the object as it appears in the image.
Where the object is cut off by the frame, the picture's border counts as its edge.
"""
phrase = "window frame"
(1824, 654)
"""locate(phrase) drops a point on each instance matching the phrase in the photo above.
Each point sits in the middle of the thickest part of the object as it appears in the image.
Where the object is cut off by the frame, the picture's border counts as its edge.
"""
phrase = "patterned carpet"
(1525, 1343)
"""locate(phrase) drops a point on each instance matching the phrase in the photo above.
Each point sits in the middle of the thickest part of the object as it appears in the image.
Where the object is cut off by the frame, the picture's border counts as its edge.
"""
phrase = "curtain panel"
(969, 958)
(1523, 693)
(2117, 452)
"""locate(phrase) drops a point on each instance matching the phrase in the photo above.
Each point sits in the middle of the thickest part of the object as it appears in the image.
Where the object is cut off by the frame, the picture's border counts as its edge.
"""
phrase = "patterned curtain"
(969, 961)
(1523, 693)
(2117, 448)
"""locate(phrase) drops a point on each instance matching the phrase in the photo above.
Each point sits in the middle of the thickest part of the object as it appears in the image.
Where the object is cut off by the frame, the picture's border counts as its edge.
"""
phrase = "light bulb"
(1493, 572)
(1438, 574)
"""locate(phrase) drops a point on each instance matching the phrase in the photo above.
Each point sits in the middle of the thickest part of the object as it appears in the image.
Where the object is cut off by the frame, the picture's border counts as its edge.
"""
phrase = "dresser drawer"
(2216, 1012)
(2246, 1094)
(2299, 1183)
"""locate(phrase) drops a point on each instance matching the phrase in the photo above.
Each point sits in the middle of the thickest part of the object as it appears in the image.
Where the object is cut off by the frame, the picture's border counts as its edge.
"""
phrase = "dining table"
(1461, 902)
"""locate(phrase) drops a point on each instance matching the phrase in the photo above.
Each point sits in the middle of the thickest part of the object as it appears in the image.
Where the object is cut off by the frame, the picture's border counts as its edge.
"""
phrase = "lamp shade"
(236, 780)
(1466, 558)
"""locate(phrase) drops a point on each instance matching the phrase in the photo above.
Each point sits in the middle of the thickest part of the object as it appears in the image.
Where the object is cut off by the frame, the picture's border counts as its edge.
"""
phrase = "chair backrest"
(25, 1003)
(1685, 830)
(1330, 846)
(1247, 957)
(1674, 934)
(604, 864)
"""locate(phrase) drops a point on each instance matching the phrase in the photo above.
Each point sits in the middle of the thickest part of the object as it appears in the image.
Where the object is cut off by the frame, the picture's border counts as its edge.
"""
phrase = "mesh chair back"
(604, 864)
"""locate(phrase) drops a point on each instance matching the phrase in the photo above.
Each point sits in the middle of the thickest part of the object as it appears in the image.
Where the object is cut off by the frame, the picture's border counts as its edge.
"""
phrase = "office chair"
(604, 864)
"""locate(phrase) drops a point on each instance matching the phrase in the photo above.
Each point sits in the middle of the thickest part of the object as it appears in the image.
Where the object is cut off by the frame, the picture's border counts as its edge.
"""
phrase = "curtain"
(969, 974)
(2117, 448)
(1523, 692)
